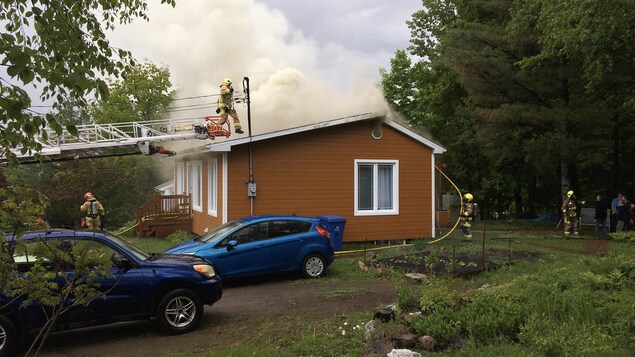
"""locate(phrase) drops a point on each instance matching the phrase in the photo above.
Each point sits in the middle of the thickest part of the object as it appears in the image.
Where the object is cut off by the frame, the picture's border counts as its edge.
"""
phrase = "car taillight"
(323, 232)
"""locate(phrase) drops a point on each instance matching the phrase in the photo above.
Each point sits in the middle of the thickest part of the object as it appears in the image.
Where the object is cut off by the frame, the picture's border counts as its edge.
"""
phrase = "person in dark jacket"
(623, 215)
(600, 218)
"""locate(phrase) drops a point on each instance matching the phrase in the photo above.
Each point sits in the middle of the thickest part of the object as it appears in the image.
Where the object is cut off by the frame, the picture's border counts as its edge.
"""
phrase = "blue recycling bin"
(335, 226)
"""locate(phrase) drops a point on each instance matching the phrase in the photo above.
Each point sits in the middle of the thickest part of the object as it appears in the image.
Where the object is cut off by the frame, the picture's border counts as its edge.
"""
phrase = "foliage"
(444, 324)
(143, 94)
(577, 307)
(121, 184)
(407, 299)
(527, 96)
(60, 49)
(628, 236)
(179, 237)
(436, 297)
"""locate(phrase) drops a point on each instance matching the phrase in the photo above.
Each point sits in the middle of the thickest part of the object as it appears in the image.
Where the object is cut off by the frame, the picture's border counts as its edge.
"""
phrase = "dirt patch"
(461, 264)
(246, 306)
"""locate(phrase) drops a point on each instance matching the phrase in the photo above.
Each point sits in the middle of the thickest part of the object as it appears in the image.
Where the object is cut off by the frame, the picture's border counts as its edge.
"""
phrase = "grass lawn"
(576, 297)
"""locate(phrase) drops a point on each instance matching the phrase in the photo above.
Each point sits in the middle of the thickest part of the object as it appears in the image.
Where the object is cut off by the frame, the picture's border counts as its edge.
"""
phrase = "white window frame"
(195, 184)
(395, 188)
(212, 187)
(179, 179)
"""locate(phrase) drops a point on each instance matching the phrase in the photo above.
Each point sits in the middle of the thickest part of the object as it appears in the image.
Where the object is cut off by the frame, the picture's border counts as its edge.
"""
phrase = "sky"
(307, 61)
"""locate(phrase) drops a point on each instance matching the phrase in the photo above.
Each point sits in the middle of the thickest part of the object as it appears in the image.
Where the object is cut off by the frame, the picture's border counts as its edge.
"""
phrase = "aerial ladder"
(143, 137)
(132, 138)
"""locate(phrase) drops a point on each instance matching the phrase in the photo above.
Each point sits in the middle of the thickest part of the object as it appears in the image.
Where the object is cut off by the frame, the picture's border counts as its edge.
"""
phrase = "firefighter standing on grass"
(225, 104)
(467, 215)
(92, 211)
(570, 215)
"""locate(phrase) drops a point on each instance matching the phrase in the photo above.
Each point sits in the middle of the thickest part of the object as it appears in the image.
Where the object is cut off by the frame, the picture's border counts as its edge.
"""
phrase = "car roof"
(261, 218)
(57, 233)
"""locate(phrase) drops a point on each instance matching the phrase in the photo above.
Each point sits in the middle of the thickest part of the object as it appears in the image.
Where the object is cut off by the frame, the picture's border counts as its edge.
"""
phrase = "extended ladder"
(142, 135)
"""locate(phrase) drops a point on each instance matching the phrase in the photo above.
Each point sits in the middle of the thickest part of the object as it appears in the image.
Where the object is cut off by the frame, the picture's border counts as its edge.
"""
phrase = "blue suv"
(264, 244)
(168, 288)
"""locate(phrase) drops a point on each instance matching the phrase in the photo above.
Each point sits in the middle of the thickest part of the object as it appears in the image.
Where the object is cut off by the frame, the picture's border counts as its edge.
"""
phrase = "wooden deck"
(164, 215)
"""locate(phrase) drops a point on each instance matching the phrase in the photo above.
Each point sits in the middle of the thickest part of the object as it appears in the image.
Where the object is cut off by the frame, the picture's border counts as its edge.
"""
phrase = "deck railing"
(162, 208)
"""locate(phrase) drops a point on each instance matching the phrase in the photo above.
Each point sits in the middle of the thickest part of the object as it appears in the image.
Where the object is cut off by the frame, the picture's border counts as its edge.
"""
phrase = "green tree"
(536, 89)
(60, 49)
(143, 94)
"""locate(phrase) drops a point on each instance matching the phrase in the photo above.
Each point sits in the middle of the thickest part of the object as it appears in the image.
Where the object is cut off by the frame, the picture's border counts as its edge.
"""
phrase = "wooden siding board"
(312, 173)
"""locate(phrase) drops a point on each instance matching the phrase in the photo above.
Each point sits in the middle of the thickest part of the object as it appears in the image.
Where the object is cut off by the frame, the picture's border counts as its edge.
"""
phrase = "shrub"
(490, 316)
(624, 236)
(407, 299)
(444, 324)
(433, 298)
(179, 237)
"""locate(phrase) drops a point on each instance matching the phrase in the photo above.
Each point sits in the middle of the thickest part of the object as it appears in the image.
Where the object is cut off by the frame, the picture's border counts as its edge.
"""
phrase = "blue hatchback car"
(264, 244)
(171, 289)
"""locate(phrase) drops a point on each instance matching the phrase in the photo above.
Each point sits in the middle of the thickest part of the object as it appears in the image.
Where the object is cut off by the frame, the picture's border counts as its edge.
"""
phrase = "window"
(285, 228)
(252, 233)
(212, 188)
(194, 184)
(376, 187)
(180, 178)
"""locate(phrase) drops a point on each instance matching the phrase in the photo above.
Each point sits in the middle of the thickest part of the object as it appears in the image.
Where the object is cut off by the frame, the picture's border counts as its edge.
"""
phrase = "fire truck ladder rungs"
(110, 136)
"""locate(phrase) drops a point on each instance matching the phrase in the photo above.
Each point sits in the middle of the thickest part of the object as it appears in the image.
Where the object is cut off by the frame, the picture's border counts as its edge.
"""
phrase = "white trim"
(395, 190)
(436, 149)
(179, 178)
(199, 195)
(225, 175)
(212, 187)
(226, 146)
(434, 199)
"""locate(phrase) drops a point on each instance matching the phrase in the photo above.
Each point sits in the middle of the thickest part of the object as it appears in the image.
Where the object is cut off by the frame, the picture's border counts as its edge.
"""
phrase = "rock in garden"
(427, 342)
(371, 333)
(417, 276)
(382, 272)
(362, 266)
(409, 316)
(369, 256)
(403, 353)
(377, 348)
(408, 340)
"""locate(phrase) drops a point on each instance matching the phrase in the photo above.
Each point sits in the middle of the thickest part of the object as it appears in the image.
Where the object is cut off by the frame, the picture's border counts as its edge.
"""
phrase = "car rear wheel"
(8, 337)
(313, 266)
(179, 311)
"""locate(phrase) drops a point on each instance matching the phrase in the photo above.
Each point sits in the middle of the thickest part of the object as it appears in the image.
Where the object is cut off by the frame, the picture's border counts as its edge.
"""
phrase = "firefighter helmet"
(469, 197)
(88, 195)
(570, 193)
(227, 81)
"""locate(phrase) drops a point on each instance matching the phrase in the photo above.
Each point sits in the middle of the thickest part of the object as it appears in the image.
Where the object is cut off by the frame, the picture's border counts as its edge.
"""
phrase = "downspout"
(251, 184)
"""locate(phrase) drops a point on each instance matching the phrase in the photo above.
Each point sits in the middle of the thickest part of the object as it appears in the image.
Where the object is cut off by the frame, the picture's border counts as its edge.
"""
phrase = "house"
(374, 172)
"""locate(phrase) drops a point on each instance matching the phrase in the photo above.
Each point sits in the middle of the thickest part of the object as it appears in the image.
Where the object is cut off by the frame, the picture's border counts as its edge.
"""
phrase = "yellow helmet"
(570, 193)
(469, 197)
(227, 81)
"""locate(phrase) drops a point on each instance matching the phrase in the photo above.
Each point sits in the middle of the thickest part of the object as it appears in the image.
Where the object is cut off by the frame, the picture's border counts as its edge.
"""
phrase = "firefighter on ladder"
(570, 209)
(225, 104)
(467, 215)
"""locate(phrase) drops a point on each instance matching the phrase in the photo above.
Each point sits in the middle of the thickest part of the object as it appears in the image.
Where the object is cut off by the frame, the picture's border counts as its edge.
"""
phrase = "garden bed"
(459, 264)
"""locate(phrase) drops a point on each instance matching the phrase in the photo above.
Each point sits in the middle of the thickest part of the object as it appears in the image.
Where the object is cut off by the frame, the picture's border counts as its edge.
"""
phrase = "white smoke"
(293, 80)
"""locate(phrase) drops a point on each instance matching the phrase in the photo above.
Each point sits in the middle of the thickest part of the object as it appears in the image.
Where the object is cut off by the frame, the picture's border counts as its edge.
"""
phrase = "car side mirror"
(231, 244)
(123, 263)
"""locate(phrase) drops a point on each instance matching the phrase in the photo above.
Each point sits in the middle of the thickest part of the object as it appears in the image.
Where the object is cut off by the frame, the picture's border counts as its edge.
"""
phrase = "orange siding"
(312, 173)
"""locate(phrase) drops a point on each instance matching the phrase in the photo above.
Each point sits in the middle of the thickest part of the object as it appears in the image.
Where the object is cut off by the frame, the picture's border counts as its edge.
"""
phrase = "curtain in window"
(384, 187)
(365, 187)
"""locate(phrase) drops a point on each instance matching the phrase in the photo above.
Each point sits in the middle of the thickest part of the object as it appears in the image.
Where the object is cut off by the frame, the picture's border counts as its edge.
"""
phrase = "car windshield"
(220, 231)
(133, 249)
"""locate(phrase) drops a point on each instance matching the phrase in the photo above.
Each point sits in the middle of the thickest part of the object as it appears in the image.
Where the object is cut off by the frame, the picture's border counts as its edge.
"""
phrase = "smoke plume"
(293, 79)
